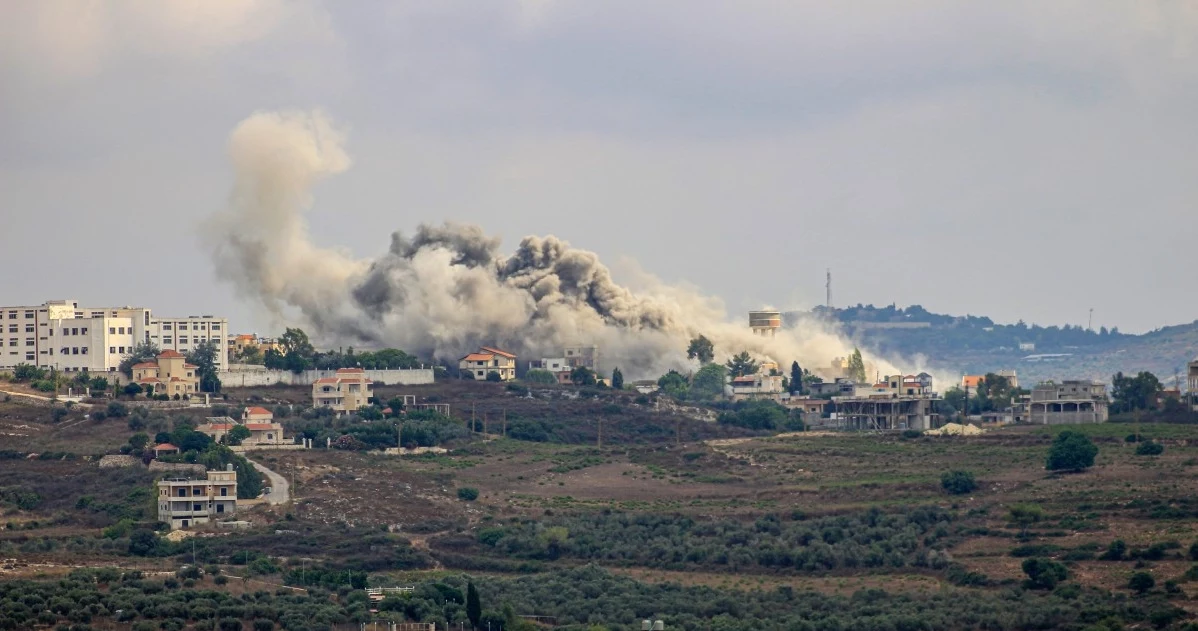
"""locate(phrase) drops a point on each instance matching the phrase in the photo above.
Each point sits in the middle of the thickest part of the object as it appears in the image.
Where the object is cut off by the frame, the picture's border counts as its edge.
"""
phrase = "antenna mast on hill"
(1090, 322)
(829, 287)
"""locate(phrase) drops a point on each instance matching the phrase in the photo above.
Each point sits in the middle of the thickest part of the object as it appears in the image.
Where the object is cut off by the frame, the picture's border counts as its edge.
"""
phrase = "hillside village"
(356, 478)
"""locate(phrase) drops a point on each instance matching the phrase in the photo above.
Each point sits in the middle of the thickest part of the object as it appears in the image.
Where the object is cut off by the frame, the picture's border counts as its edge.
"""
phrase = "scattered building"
(169, 374)
(347, 390)
(488, 360)
(896, 402)
(559, 366)
(1028, 347)
(237, 344)
(264, 431)
(765, 322)
(185, 502)
(165, 449)
(761, 385)
(1068, 402)
(71, 338)
(810, 408)
(841, 386)
(583, 357)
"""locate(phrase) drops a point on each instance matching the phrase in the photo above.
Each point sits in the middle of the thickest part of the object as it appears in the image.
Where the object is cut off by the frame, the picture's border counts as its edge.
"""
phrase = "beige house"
(186, 502)
(347, 391)
(170, 374)
(258, 420)
(487, 360)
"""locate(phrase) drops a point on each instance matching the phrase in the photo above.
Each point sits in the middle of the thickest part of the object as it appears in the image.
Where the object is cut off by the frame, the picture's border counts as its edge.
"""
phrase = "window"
(112, 350)
(112, 330)
(28, 315)
(83, 351)
(83, 331)
(29, 342)
(166, 326)
(215, 326)
(12, 328)
(196, 491)
(121, 349)
(74, 350)
(167, 339)
(29, 328)
(65, 350)
(12, 341)
(195, 327)
(12, 315)
(182, 492)
(182, 339)
(224, 491)
(121, 330)
(220, 508)
(28, 356)
(197, 507)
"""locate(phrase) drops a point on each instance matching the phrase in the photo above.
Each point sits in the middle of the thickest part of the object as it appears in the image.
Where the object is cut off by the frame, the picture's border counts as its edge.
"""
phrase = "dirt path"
(280, 489)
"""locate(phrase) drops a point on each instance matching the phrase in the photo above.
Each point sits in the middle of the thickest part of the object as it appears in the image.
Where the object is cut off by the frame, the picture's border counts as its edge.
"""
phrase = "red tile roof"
(165, 447)
(190, 366)
(257, 410)
(744, 379)
(145, 365)
(498, 352)
(217, 426)
(326, 380)
(478, 357)
(170, 354)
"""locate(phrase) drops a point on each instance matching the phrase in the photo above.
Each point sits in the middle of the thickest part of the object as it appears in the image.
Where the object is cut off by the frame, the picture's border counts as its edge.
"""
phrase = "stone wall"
(182, 467)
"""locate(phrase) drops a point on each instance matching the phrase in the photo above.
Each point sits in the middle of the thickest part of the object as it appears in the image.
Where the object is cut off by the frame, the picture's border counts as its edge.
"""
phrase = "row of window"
(74, 331)
(13, 328)
(195, 326)
(12, 341)
(12, 315)
(73, 350)
(118, 349)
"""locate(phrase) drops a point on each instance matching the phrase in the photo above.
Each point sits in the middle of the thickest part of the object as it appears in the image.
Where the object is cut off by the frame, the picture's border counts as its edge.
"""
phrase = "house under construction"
(887, 412)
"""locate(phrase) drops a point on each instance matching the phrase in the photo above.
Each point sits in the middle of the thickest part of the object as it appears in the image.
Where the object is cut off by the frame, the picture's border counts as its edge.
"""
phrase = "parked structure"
(486, 360)
(169, 374)
(185, 502)
(1068, 402)
(346, 391)
(62, 334)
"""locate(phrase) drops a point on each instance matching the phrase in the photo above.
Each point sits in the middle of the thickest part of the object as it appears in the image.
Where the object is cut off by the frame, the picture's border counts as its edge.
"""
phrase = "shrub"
(116, 409)
(538, 375)
(911, 433)
(221, 579)
(1150, 449)
(468, 493)
(1043, 573)
(493, 376)
(1141, 582)
(1071, 451)
(958, 482)
(1115, 552)
(99, 415)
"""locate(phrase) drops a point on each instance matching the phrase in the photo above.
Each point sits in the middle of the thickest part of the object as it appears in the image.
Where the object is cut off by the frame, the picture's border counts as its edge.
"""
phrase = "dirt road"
(280, 490)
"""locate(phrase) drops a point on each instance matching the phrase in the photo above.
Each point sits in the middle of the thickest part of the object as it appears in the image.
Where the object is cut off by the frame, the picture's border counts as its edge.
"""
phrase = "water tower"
(765, 322)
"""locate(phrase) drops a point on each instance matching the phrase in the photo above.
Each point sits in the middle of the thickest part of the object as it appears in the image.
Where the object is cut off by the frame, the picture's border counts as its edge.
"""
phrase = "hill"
(975, 344)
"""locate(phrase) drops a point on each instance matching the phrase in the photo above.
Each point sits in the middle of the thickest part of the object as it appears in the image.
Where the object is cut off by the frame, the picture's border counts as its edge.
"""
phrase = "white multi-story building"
(185, 502)
(61, 334)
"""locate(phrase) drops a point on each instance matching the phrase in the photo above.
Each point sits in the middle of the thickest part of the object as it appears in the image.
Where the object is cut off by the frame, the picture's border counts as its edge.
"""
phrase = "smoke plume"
(444, 290)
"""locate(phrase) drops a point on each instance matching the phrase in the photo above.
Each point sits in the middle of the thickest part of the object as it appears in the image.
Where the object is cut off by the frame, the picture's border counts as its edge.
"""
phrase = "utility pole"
(829, 288)
(1090, 322)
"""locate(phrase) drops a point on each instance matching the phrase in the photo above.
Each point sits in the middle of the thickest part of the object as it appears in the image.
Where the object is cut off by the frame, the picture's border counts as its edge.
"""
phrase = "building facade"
(346, 391)
(1193, 383)
(185, 502)
(486, 360)
(1068, 402)
(63, 335)
(168, 374)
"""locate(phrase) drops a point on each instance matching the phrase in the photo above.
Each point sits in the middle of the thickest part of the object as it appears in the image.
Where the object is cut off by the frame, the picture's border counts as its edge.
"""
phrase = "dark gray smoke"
(448, 289)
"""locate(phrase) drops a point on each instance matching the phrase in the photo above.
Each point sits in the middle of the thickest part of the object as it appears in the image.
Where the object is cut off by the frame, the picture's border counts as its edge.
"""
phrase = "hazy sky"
(1013, 159)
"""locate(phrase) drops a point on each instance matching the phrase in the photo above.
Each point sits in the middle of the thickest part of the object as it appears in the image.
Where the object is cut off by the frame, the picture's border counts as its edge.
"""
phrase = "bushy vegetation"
(869, 539)
(1071, 451)
(760, 415)
(958, 482)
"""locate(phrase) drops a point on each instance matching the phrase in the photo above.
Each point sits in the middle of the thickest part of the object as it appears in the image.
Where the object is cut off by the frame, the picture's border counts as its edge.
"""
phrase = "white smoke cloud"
(447, 289)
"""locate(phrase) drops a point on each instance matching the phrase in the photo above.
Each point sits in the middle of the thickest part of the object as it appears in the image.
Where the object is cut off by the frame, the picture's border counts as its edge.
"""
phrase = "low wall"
(259, 378)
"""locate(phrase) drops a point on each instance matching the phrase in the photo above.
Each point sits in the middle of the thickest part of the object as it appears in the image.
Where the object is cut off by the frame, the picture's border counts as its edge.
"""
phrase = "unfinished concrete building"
(1067, 403)
(887, 412)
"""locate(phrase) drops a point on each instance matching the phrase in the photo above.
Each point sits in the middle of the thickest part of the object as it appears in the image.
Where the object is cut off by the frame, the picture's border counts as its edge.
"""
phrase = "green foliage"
(759, 415)
(205, 356)
(474, 609)
(581, 376)
(1043, 573)
(1115, 551)
(143, 543)
(702, 349)
(617, 379)
(796, 378)
(237, 434)
(22, 499)
(538, 375)
(1071, 451)
(673, 384)
(856, 367)
(741, 364)
(139, 441)
(1150, 449)
(1141, 582)
(27, 372)
(1026, 514)
(116, 409)
(1129, 394)
(958, 482)
(467, 493)
(142, 352)
(708, 382)
(493, 376)
(132, 389)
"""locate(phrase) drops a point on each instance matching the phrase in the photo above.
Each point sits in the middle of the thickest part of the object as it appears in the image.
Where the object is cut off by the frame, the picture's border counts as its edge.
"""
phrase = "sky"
(1021, 160)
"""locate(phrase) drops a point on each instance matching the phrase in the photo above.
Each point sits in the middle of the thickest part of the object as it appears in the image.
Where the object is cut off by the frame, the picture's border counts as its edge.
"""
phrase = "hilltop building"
(765, 322)
(486, 360)
(264, 431)
(63, 335)
(185, 502)
(897, 402)
(169, 374)
(346, 391)
(1068, 402)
